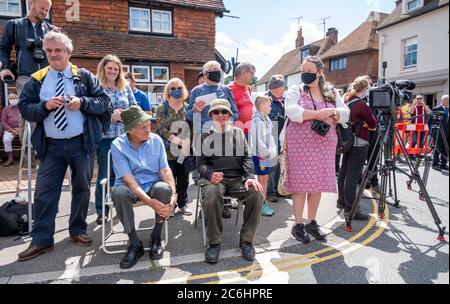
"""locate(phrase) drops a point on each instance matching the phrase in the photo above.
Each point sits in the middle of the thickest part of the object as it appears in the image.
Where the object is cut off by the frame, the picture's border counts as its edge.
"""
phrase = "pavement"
(400, 249)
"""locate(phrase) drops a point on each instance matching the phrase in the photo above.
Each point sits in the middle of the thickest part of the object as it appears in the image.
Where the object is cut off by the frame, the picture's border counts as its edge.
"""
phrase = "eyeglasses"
(223, 112)
(176, 89)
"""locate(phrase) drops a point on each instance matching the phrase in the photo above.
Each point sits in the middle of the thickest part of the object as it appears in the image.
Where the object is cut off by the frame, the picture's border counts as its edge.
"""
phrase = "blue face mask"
(177, 94)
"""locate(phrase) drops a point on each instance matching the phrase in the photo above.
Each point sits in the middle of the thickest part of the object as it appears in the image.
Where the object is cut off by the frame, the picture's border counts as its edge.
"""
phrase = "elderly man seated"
(142, 174)
(226, 167)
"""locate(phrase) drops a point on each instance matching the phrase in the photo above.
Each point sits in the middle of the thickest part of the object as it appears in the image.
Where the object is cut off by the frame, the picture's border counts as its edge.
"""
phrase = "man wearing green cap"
(226, 167)
(142, 174)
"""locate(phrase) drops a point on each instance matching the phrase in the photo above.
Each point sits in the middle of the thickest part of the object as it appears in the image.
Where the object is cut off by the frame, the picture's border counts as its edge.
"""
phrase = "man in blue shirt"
(141, 98)
(71, 110)
(142, 174)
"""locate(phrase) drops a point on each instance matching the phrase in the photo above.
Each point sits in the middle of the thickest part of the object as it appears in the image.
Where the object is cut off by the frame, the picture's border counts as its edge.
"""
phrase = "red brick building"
(157, 39)
(355, 55)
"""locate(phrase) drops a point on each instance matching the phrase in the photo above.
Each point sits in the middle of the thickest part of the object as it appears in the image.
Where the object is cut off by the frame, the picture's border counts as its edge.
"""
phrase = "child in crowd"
(264, 148)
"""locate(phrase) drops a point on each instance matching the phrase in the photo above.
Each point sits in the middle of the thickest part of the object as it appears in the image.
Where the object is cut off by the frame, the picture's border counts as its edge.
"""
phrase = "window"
(10, 8)
(305, 53)
(160, 74)
(151, 21)
(339, 63)
(142, 73)
(140, 19)
(162, 22)
(411, 5)
(410, 52)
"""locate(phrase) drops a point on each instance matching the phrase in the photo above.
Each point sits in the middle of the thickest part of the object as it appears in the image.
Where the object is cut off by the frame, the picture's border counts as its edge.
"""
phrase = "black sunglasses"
(174, 89)
(223, 112)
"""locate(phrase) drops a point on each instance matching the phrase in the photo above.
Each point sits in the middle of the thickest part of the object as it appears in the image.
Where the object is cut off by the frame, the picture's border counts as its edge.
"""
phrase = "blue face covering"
(177, 94)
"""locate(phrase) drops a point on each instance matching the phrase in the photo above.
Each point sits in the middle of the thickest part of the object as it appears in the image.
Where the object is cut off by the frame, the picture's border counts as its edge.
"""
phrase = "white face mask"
(14, 102)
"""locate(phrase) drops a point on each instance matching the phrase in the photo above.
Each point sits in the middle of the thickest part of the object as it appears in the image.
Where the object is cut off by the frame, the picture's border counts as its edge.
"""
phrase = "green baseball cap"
(133, 116)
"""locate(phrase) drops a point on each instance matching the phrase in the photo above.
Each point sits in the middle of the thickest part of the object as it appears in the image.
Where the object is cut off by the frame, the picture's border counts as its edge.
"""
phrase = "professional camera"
(37, 45)
(320, 127)
(390, 95)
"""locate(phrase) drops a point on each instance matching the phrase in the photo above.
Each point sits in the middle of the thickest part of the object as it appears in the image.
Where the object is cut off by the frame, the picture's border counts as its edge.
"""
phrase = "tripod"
(387, 133)
(436, 135)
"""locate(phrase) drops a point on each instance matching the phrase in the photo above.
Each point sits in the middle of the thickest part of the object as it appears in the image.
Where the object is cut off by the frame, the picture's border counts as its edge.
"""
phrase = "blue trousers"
(102, 161)
(59, 155)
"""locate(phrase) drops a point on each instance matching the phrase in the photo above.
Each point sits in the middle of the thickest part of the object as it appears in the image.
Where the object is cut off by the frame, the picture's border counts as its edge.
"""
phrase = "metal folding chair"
(199, 205)
(107, 201)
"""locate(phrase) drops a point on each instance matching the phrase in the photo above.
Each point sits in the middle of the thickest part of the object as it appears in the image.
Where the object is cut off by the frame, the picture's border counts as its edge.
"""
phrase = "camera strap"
(314, 102)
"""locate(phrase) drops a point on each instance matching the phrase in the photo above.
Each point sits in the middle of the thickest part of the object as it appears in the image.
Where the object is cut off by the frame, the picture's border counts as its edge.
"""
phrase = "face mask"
(215, 76)
(14, 102)
(177, 94)
(309, 78)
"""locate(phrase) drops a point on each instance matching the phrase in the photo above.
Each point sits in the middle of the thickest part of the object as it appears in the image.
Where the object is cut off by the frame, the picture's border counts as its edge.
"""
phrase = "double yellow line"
(258, 272)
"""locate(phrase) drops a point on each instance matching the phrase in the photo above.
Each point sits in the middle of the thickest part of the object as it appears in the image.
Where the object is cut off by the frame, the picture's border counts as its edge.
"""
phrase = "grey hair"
(210, 64)
(244, 68)
(59, 37)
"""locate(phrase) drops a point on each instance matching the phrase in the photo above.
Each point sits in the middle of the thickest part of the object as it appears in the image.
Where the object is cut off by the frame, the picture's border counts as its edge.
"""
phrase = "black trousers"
(181, 182)
(351, 170)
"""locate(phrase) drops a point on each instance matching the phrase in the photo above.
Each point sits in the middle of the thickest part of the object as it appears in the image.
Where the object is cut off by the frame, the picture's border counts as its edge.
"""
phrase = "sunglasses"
(175, 89)
(223, 112)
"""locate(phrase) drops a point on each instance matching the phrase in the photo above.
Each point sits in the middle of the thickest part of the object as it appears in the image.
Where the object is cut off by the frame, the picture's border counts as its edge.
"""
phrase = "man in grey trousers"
(142, 174)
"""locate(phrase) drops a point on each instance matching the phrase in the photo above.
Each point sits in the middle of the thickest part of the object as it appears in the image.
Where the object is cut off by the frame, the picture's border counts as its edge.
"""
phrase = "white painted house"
(414, 41)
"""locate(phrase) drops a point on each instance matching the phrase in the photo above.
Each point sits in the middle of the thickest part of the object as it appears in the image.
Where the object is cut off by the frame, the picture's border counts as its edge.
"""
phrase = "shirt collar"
(228, 128)
(67, 72)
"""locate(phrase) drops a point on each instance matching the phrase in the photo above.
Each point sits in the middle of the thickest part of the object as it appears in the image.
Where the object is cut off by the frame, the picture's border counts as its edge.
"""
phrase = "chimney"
(333, 34)
(300, 41)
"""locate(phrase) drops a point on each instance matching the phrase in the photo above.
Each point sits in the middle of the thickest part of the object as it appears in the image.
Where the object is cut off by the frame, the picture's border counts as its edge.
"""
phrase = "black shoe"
(212, 254)
(437, 168)
(298, 232)
(272, 199)
(226, 213)
(132, 256)
(444, 167)
(361, 217)
(156, 250)
(99, 219)
(248, 251)
(313, 229)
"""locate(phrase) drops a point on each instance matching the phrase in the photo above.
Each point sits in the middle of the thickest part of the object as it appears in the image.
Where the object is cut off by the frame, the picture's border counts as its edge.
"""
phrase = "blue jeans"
(102, 161)
(59, 155)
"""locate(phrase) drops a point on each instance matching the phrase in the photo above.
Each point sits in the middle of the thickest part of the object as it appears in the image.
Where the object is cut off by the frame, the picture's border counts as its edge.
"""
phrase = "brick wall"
(195, 24)
(357, 65)
(191, 78)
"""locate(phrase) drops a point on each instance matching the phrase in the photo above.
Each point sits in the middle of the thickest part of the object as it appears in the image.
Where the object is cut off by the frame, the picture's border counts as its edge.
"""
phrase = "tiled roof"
(290, 63)
(363, 38)
(139, 47)
(215, 5)
(397, 15)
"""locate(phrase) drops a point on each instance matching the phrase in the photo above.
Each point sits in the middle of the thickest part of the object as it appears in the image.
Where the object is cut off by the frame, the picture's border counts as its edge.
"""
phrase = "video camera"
(36, 44)
(391, 95)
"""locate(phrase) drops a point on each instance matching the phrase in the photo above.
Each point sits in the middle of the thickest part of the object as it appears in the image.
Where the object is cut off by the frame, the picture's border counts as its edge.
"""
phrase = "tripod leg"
(397, 201)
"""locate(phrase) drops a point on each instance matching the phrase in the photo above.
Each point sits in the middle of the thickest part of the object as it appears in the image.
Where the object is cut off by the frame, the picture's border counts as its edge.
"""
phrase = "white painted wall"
(433, 44)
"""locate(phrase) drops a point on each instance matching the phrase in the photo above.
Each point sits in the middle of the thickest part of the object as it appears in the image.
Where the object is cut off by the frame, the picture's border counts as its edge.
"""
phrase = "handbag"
(283, 166)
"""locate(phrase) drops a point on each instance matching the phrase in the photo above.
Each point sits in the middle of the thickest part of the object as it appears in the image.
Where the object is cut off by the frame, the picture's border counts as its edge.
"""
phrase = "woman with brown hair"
(312, 108)
(362, 121)
(111, 76)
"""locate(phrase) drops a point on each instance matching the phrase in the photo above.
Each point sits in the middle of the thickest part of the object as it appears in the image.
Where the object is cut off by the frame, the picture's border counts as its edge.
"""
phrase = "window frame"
(338, 64)
(147, 67)
(303, 53)
(405, 53)
(141, 30)
(168, 32)
(9, 14)
(154, 80)
(406, 3)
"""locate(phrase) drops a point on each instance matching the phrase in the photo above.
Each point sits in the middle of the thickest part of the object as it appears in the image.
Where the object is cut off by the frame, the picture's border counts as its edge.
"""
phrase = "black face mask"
(215, 76)
(309, 78)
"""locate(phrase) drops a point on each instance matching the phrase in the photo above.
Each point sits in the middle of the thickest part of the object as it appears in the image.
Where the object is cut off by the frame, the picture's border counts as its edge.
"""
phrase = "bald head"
(39, 10)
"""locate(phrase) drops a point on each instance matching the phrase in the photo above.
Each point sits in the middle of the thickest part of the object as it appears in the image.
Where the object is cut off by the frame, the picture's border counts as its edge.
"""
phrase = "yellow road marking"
(303, 257)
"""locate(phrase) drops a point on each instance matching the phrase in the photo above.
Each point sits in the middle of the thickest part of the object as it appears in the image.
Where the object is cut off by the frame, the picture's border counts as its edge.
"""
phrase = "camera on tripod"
(36, 44)
(391, 95)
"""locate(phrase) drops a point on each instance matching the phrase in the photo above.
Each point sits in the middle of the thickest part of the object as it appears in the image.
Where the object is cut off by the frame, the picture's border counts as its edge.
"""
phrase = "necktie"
(60, 113)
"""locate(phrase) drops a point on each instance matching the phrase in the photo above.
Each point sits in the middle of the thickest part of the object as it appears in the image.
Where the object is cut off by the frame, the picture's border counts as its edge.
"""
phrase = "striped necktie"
(60, 113)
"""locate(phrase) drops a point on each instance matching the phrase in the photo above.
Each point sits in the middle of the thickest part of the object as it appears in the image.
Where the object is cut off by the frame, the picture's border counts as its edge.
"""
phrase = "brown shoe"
(33, 251)
(83, 239)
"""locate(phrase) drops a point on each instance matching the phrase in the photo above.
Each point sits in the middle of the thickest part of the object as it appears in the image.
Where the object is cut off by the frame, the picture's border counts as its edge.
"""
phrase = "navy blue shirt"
(142, 100)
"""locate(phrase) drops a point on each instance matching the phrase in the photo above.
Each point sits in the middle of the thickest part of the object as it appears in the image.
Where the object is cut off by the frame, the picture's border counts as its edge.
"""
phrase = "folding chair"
(107, 201)
(199, 205)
